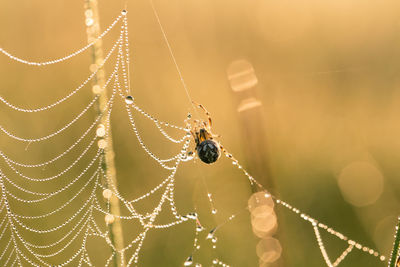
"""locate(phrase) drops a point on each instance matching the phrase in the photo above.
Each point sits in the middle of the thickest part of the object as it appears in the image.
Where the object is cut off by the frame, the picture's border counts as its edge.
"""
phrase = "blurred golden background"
(328, 125)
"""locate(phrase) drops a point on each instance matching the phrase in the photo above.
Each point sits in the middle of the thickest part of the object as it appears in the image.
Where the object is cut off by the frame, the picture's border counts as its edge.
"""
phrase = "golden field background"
(327, 78)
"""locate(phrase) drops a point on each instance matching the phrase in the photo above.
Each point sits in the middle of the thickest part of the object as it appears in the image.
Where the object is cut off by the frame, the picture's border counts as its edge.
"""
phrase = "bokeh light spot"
(361, 183)
(269, 249)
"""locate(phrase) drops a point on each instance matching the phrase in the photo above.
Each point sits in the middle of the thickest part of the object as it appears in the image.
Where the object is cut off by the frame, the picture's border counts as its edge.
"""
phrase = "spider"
(207, 148)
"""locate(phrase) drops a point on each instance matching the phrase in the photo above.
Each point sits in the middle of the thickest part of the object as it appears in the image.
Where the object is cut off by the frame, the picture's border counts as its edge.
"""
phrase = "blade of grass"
(115, 228)
(395, 250)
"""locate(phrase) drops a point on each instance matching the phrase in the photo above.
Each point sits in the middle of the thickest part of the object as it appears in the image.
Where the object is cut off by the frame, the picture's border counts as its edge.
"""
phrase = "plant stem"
(108, 164)
(395, 250)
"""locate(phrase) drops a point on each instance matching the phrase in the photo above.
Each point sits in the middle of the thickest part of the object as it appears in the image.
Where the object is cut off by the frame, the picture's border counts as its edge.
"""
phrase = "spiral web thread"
(92, 183)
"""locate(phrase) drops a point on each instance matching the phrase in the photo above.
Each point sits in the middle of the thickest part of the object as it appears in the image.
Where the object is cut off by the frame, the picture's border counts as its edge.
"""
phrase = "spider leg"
(227, 154)
(205, 124)
(195, 125)
(205, 111)
(194, 136)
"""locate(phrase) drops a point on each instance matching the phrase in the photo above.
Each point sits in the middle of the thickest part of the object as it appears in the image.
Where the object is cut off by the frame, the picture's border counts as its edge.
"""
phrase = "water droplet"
(189, 261)
(101, 130)
(102, 144)
(124, 12)
(109, 219)
(96, 89)
(93, 67)
(199, 228)
(214, 211)
(187, 157)
(211, 233)
(192, 215)
(129, 100)
(215, 261)
(214, 239)
(89, 13)
(89, 22)
(107, 193)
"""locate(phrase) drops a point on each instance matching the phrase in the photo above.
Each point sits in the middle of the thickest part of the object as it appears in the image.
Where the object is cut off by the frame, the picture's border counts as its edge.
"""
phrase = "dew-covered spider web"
(80, 204)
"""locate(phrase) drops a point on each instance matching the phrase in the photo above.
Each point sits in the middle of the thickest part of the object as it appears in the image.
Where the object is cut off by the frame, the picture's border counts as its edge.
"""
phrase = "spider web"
(76, 201)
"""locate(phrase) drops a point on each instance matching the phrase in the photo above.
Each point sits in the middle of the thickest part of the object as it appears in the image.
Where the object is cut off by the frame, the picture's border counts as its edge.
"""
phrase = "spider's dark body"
(208, 151)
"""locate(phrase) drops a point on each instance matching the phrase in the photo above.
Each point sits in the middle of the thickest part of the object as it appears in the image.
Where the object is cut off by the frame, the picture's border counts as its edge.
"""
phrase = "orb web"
(74, 200)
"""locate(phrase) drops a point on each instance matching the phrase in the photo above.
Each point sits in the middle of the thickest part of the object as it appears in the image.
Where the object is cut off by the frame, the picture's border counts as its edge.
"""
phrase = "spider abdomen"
(208, 151)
